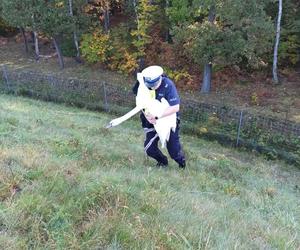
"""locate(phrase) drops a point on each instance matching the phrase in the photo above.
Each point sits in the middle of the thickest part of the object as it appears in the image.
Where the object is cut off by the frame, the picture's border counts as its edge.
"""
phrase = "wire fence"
(275, 138)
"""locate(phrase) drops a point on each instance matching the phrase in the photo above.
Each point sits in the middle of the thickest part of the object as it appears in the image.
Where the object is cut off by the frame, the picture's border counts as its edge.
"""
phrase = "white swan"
(144, 101)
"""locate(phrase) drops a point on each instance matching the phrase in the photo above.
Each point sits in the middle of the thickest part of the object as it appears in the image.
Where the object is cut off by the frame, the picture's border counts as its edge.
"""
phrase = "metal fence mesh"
(272, 136)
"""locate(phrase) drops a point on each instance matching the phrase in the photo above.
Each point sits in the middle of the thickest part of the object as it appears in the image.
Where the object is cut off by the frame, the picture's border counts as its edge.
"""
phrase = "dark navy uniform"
(168, 91)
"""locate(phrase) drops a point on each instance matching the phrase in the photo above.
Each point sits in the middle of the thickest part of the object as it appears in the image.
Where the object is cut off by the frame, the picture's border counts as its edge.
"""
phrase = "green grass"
(66, 182)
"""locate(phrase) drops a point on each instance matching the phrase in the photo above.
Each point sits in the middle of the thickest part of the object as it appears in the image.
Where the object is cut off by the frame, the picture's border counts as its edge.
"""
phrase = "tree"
(207, 72)
(76, 42)
(58, 19)
(143, 18)
(288, 49)
(224, 33)
(54, 21)
(53, 18)
(103, 8)
(275, 76)
(19, 14)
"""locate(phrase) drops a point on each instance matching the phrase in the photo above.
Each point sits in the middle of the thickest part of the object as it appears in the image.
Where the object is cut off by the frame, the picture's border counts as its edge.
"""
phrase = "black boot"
(162, 164)
(182, 165)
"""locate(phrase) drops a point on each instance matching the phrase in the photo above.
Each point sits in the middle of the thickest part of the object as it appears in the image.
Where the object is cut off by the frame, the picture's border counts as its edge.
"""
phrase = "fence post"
(105, 98)
(50, 80)
(5, 76)
(239, 129)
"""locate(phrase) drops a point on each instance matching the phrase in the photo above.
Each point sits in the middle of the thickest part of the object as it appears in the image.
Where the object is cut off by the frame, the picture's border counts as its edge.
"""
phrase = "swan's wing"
(163, 125)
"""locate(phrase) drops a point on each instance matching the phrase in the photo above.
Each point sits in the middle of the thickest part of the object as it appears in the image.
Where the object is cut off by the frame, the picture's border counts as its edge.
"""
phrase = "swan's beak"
(113, 123)
(109, 125)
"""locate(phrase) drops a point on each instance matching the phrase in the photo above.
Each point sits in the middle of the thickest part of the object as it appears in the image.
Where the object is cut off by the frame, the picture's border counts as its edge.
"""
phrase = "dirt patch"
(3, 41)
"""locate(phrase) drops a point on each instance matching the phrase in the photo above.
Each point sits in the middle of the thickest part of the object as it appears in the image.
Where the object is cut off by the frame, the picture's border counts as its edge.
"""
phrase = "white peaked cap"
(152, 73)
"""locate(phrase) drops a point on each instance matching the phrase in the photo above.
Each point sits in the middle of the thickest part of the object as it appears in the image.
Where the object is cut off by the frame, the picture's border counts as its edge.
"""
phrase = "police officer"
(161, 86)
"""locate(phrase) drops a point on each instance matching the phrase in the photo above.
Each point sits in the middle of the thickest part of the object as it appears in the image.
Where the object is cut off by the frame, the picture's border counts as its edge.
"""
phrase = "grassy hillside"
(68, 183)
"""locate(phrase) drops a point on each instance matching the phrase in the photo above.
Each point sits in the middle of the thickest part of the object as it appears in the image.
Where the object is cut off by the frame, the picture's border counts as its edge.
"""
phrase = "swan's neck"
(130, 114)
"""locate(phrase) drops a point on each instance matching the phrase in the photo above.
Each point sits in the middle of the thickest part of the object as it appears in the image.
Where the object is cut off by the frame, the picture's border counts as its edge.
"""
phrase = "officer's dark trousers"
(173, 146)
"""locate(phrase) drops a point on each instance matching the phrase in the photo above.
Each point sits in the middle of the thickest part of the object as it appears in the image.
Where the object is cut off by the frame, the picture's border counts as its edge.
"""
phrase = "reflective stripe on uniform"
(150, 143)
(147, 130)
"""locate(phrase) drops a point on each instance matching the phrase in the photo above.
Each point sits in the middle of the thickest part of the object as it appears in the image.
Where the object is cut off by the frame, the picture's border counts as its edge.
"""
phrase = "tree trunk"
(106, 19)
(141, 62)
(59, 54)
(206, 78)
(206, 84)
(275, 76)
(140, 59)
(77, 47)
(24, 39)
(36, 46)
(75, 38)
(167, 35)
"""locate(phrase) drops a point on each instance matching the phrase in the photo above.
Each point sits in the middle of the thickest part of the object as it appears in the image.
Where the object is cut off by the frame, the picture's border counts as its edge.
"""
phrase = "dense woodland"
(191, 39)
